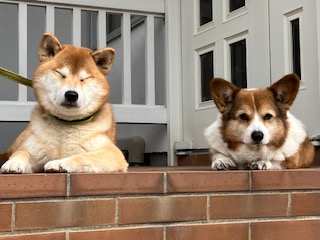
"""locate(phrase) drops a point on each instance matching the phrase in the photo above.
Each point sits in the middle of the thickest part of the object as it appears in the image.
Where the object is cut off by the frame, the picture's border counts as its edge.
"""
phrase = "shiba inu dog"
(255, 129)
(72, 127)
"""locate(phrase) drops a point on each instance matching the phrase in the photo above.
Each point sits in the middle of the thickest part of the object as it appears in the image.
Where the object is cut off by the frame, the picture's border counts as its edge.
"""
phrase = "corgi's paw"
(65, 165)
(16, 166)
(223, 163)
(260, 165)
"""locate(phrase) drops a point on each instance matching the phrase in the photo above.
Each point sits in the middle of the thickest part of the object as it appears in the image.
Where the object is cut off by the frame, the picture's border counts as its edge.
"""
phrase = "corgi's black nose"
(71, 96)
(257, 136)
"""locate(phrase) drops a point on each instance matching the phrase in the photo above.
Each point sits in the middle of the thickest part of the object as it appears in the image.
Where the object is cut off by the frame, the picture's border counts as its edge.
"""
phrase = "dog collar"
(74, 122)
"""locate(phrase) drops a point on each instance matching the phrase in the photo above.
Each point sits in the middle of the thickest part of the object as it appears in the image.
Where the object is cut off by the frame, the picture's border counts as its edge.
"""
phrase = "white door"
(220, 38)
(293, 48)
(253, 41)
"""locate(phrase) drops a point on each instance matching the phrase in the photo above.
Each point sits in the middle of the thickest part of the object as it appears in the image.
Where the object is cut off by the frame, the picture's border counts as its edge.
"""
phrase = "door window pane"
(236, 4)
(296, 60)
(239, 63)
(206, 63)
(205, 11)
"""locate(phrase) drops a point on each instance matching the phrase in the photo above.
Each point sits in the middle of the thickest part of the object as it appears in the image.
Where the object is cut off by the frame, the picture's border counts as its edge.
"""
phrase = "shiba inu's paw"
(223, 163)
(16, 166)
(65, 165)
(57, 166)
(260, 165)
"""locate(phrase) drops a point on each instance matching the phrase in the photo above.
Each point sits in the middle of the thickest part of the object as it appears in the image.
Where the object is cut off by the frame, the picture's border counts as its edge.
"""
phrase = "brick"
(154, 233)
(248, 206)
(208, 181)
(58, 214)
(305, 204)
(6, 217)
(223, 231)
(286, 179)
(116, 183)
(33, 185)
(37, 236)
(162, 209)
(295, 229)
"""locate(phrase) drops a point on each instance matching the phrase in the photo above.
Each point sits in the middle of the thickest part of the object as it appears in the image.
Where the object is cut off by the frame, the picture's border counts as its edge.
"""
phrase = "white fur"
(261, 155)
(256, 125)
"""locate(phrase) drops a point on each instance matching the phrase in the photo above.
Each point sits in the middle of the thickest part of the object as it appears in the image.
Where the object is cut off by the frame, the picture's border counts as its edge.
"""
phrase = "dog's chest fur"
(67, 140)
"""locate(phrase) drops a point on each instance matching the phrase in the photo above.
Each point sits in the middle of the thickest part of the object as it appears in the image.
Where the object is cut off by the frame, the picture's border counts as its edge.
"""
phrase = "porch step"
(160, 203)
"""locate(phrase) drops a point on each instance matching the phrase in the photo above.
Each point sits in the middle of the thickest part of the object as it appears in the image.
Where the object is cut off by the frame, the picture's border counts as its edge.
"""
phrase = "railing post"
(23, 46)
(76, 27)
(174, 81)
(126, 38)
(150, 60)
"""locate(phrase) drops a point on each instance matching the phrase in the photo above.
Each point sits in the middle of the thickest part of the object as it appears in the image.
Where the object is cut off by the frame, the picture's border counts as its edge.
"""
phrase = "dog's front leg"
(19, 162)
(222, 162)
(101, 161)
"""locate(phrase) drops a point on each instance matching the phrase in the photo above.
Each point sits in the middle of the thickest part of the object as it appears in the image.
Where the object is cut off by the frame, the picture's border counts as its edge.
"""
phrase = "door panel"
(285, 15)
(221, 36)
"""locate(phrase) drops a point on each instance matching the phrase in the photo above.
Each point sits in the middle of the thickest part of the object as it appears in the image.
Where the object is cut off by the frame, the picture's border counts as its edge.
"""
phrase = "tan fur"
(49, 145)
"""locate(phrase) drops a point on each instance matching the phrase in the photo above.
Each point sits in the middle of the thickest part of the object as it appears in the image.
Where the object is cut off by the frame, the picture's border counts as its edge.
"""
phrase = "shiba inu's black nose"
(71, 96)
(257, 136)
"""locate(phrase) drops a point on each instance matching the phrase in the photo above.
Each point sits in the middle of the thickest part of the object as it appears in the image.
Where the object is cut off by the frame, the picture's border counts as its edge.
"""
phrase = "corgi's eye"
(268, 116)
(244, 117)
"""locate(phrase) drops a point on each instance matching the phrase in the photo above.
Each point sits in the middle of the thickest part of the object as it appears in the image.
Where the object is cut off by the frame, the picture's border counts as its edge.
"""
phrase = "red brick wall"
(162, 204)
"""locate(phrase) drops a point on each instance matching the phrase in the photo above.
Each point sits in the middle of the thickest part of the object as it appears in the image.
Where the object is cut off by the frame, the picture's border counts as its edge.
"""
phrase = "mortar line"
(68, 185)
(208, 207)
(250, 181)
(117, 210)
(289, 205)
(13, 216)
(165, 182)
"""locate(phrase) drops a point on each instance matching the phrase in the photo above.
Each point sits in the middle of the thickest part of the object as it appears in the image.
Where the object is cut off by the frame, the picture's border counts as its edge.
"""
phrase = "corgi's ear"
(104, 59)
(49, 47)
(222, 93)
(285, 90)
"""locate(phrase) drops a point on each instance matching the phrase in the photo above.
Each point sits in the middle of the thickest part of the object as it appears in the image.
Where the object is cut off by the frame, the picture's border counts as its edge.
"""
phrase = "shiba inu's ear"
(222, 93)
(49, 47)
(285, 90)
(104, 59)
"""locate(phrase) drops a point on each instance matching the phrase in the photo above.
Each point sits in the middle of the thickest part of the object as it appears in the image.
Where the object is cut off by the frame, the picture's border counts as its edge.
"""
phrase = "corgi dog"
(255, 129)
(72, 126)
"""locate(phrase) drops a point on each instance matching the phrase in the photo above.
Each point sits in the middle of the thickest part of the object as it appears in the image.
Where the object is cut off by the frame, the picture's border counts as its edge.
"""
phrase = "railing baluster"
(23, 64)
(50, 18)
(76, 27)
(126, 38)
(150, 60)
(102, 29)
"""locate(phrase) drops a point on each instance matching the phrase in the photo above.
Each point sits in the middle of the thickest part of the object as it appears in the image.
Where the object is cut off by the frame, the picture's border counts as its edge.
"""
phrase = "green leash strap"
(15, 77)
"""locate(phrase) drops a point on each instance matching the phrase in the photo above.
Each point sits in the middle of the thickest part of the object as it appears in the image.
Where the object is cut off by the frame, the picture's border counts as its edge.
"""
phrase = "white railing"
(126, 112)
